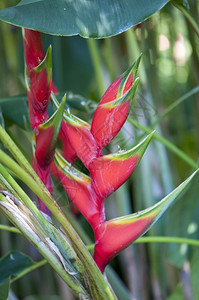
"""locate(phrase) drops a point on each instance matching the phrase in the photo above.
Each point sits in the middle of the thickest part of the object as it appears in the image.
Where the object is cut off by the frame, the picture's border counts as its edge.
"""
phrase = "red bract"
(113, 108)
(39, 82)
(67, 150)
(78, 187)
(79, 136)
(36, 118)
(33, 49)
(46, 137)
(115, 235)
(109, 172)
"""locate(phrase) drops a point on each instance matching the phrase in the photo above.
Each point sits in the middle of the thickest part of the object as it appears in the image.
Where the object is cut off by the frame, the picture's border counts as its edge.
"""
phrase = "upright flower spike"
(109, 172)
(47, 135)
(33, 48)
(79, 136)
(78, 187)
(113, 108)
(115, 235)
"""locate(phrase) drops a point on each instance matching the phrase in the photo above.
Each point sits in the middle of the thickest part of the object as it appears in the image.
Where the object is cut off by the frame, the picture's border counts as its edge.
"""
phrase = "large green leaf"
(88, 18)
(12, 264)
(15, 108)
(4, 289)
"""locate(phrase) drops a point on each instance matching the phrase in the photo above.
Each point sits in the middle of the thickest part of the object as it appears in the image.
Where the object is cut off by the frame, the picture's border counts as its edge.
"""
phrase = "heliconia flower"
(78, 187)
(113, 108)
(78, 134)
(46, 136)
(115, 235)
(109, 172)
(33, 49)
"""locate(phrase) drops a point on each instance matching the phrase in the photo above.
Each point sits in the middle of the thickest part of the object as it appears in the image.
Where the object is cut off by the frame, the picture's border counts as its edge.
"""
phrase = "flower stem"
(30, 269)
(9, 228)
(95, 55)
(167, 239)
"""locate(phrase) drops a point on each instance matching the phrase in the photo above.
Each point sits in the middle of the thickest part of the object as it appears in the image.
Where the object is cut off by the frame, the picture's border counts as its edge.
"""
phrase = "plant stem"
(175, 104)
(161, 239)
(167, 239)
(95, 55)
(168, 144)
(187, 15)
(30, 269)
(9, 228)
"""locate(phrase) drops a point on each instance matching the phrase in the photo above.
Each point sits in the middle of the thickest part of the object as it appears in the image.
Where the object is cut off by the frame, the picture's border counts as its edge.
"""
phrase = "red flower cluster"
(85, 141)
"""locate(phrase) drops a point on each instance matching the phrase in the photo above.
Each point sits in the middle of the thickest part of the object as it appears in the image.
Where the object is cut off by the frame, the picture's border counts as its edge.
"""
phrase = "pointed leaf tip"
(129, 78)
(113, 109)
(115, 235)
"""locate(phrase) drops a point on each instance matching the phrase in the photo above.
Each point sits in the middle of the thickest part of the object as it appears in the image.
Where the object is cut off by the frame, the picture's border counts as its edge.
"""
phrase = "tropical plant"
(69, 152)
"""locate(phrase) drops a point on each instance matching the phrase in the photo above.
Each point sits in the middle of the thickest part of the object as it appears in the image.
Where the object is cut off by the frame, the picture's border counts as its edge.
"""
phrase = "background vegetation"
(167, 100)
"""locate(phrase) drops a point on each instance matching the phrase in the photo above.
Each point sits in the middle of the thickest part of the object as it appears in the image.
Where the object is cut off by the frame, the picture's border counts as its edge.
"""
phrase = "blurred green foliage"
(169, 70)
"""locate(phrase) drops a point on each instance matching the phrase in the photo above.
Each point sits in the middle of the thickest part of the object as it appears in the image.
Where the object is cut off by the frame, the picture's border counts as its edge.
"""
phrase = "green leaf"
(177, 294)
(99, 18)
(4, 289)
(15, 108)
(182, 221)
(12, 264)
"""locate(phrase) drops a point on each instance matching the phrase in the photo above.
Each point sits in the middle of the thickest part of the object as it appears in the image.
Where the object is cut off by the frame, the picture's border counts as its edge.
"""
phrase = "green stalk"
(9, 228)
(168, 144)
(161, 239)
(175, 104)
(95, 55)
(22, 218)
(187, 15)
(167, 239)
(30, 269)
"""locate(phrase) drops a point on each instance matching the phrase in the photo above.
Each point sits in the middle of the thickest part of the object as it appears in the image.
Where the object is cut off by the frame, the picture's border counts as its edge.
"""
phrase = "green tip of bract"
(56, 118)
(129, 78)
(46, 64)
(47, 135)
